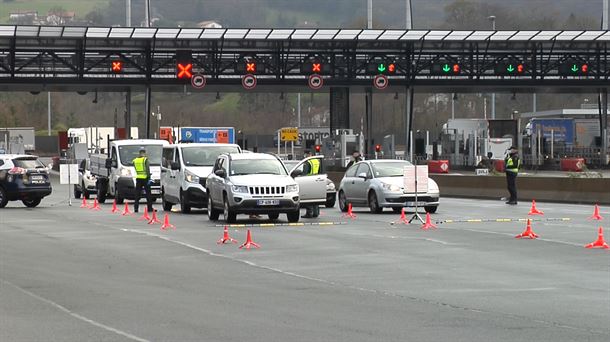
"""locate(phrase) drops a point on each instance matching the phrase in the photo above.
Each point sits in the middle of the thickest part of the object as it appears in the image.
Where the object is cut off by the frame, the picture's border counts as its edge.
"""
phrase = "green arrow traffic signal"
(574, 68)
(446, 68)
(381, 67)
(510, 68)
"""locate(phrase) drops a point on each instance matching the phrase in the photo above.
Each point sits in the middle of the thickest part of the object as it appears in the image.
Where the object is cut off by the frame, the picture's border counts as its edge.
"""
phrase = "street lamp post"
(492, 18)
(158, 116)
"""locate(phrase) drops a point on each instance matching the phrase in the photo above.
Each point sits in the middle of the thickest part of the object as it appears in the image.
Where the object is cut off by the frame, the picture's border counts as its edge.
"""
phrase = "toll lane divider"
(504, 220)
(271, 225)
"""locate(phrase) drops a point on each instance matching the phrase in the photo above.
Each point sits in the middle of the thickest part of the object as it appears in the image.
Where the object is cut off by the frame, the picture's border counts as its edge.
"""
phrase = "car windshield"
(28, 163)
(205, 155)
(390, 169)
(129, 153)
(257, 166)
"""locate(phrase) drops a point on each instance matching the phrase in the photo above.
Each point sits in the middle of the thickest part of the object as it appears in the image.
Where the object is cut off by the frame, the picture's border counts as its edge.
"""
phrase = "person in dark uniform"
(143, 180)
(512, 163)
(356, 158)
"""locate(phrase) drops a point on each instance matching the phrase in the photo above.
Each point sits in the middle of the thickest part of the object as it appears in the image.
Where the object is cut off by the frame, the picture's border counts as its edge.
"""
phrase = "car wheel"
(315, 211)
(31, 203)
(273, 216)
(342, 202)
(374, 203)
(117, 195)
(167, 206)
(431, 208)
(293, 216)
(101, 193)
(77, 193)
(228, 214)
(212, 213)
(184, 207)
(330, 203)
(3, 197)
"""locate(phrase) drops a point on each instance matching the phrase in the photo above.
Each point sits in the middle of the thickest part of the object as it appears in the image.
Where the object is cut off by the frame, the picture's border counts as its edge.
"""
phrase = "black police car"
(24, 178)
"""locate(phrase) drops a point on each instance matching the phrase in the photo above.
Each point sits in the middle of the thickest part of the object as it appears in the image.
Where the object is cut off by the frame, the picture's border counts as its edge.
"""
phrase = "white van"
(184, 171)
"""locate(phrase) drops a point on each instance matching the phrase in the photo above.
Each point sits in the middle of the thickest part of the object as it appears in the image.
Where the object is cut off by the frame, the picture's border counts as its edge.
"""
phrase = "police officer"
(311, 168)
(142, 180)
(512, 163)
(356, 158)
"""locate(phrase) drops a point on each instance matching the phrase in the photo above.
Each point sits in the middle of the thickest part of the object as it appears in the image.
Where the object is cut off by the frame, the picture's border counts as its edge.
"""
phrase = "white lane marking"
(407, 238)
(74, 314)
(534, 289)
(513, 235)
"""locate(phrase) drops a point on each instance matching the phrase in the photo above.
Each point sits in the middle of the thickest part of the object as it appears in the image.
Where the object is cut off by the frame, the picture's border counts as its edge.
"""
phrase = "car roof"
(131, 142)
(13, 156)
(249, 156)
(376, 161)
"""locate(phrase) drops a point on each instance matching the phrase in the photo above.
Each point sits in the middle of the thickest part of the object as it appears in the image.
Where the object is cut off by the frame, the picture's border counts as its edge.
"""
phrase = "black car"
(24, 178)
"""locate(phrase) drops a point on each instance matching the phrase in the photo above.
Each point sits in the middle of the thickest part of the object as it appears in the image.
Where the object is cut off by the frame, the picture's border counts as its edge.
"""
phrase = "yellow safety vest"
(314, 167)
(140, 165)
(511, 167)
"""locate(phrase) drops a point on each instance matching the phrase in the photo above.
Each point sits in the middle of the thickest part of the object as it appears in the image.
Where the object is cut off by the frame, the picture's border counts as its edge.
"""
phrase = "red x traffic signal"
(185, 71)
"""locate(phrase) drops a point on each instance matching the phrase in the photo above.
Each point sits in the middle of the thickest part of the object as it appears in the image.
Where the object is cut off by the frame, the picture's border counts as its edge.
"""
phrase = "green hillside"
(81, 7)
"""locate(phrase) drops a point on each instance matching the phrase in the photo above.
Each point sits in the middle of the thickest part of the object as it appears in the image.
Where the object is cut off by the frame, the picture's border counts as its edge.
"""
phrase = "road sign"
(315, 81)
(289, 134)
(380, 82)
(198, 81)
(248, 81)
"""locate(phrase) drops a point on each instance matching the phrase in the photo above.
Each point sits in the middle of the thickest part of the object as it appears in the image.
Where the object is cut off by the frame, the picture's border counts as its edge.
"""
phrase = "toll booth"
(339, 148)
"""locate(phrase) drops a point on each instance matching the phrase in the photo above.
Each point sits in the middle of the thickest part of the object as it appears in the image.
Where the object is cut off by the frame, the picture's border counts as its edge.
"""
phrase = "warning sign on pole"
(289, 134)
(248, 82)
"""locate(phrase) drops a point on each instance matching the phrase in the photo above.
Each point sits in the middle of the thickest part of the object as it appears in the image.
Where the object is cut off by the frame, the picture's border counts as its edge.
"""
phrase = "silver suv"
(251, 183)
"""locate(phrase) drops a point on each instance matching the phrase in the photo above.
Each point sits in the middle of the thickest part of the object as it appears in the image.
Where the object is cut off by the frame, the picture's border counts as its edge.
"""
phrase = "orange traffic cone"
(596, 216)
(599, 243)
(403, 217)
(428, 223)
(154, 218)
(114, 207)
(126, 211)
(84, 203)
(533, 210)
(226, 238)
(96, 206)
(349, 213)
(166, 224)
(249, 243)
(145, 217)
(528, 232)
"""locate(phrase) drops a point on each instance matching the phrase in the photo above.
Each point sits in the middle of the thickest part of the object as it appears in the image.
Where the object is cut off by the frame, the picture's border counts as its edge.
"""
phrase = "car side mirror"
(296, 173)
(220, 173)
(363, 175)
(175, 166)
(109, 163)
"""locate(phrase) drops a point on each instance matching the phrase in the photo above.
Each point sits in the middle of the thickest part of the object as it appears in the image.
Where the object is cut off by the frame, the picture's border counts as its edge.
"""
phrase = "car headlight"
(330, 186)
(390, 187)
(240, 189)
(125, 172)
(191, 177)
(292, 188)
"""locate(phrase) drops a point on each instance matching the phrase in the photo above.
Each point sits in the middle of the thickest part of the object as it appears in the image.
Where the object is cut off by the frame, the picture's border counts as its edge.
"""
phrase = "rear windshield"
(205, 156)
(28, 163)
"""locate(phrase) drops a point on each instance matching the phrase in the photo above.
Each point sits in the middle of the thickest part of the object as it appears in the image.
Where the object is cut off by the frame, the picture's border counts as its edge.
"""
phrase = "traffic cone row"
(428, 224)
(534, 210)
(403, 217)
(528, 232)
(599, 243)
(596, 216)
(154, 219)
(145, 217)
(96, 206)
(226, 238)
(84, 203)
(249, 243)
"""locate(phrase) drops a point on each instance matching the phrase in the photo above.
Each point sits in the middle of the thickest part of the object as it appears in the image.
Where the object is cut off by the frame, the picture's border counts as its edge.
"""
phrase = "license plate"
(412, 204)
(268, 202)
(155, 191)
(37, 179)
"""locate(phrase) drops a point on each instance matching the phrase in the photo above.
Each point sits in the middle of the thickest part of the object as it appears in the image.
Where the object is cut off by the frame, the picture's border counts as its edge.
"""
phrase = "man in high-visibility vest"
(311, 168)
(143, 180)
(512, 163)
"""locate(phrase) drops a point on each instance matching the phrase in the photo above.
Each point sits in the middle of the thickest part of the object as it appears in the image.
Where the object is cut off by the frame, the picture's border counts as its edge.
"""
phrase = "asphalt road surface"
(72, 274)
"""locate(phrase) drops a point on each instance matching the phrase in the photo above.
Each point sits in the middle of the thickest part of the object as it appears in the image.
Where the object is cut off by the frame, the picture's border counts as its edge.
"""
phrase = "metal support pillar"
(408, 123)
(368, 98)
(147, 113)
(604, 127)
(339, 109)
(128, 114)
